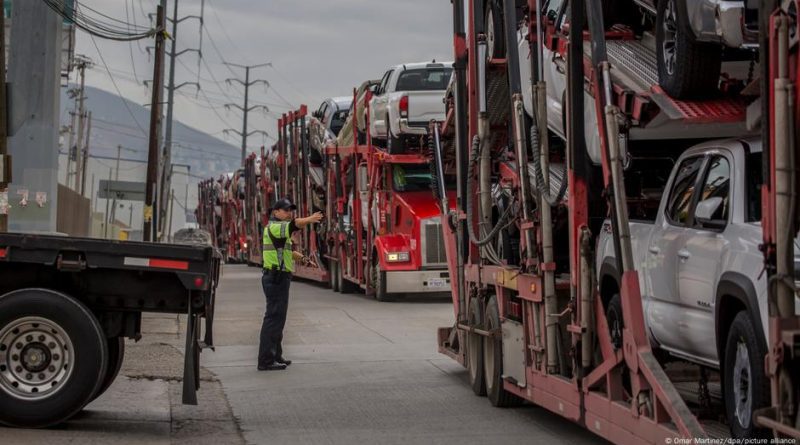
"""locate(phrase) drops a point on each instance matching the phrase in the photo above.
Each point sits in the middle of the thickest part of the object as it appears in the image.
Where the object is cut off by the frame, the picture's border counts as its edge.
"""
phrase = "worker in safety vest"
(278, 261)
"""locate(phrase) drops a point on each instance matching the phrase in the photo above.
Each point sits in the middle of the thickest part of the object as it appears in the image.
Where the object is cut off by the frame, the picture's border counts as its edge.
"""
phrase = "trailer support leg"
(191, 374)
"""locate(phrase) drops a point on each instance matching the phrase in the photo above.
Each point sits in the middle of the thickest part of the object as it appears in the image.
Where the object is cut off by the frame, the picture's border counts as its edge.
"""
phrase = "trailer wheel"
(345, 286)
(493, 360)
(53, 357)
(475, 350)
(615, 321)
(116, 355)
(686, 68)
(495, 30)
(746, 387)
(333, 275)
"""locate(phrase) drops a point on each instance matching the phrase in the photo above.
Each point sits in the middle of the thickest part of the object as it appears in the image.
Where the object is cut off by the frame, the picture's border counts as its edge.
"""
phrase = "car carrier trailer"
(530, 320)
(384, 230)
(67, 304)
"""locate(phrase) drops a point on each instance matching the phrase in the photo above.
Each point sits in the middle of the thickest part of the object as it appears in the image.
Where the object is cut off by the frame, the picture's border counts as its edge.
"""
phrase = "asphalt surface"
(362, 371)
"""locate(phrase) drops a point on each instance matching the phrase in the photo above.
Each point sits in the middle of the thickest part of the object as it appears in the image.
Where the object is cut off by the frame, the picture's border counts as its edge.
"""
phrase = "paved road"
(362, 371)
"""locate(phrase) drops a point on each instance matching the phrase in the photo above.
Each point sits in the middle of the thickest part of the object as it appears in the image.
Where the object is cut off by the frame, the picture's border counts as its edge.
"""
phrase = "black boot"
(283, 361)
(274, 366)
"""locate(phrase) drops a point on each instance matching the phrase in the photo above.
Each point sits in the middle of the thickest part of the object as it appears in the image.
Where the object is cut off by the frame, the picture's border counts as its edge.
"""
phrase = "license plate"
(437, 282)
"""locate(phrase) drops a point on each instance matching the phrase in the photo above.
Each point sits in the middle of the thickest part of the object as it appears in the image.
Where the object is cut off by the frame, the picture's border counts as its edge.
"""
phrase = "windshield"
(337, 121)
(424, 79)
(416, 177)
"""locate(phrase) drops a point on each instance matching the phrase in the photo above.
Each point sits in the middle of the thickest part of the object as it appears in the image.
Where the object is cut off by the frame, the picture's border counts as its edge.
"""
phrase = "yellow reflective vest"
(277, 258)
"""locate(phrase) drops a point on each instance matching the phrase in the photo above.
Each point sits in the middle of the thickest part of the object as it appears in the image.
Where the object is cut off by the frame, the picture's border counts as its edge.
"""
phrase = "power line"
(289, 82)
(97, 27)
(114, 82)
(133, 16)
(222, 27)
(130, 46)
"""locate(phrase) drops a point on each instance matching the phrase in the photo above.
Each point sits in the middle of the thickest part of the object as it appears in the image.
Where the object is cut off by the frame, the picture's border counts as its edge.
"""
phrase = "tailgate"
(424, 106)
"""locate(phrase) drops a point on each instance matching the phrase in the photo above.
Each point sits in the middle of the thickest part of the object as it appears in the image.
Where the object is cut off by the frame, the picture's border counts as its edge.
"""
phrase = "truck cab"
(408, 250)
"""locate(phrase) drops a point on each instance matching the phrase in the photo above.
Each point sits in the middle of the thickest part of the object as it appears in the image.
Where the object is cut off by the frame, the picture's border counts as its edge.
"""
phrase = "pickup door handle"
(654, 250)
(684, 254)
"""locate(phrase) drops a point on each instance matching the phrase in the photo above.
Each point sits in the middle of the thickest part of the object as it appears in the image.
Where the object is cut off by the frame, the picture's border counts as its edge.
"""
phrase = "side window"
(683, 188)
(717, 186)
(385, 82)
(322, 109)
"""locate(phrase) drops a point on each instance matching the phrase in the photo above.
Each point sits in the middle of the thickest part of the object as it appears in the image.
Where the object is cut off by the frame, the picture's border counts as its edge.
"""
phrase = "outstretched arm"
(313, 219)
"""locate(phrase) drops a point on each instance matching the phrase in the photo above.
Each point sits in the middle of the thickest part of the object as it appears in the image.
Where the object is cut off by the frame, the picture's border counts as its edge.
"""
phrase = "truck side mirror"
(705, 211)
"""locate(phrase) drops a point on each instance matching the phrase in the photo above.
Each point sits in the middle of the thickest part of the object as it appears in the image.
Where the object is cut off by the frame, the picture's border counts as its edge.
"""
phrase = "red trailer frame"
(294, 182)
(624, 395)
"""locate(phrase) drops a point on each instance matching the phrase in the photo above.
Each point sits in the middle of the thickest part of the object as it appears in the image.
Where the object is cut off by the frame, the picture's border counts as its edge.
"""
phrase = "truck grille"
(433, 243)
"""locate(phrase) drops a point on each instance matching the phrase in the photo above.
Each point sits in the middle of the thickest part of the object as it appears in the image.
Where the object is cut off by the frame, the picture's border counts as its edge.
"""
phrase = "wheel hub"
(742, 390)
(36, 358)
(670, 28)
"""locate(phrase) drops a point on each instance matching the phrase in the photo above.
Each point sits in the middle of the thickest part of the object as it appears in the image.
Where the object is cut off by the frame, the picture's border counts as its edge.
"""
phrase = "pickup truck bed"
(81, 297)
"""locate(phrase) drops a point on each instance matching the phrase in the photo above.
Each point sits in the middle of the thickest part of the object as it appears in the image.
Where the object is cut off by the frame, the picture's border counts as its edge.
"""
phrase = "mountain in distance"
(113, 124)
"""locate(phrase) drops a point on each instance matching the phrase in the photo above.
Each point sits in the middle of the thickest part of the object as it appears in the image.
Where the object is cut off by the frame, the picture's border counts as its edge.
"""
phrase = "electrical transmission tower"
(246, 108)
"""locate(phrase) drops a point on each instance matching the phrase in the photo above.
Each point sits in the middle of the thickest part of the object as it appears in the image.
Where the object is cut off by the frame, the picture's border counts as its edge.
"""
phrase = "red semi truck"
(382, 231)
(384, 227)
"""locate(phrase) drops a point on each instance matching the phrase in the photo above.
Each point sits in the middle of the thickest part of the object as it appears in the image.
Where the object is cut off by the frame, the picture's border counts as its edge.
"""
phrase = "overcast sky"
(318, 49)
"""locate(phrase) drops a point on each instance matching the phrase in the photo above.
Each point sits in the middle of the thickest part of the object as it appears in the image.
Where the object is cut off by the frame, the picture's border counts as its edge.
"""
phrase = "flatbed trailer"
(67, 304)
(530, 321)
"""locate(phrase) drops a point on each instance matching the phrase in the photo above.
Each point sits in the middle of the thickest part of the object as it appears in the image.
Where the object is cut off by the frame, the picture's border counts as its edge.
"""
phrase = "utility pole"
(166, 160)
(155, 117)
(246, 108)
(171, 208)
(5, 159)
(82, 63)
(82, 172)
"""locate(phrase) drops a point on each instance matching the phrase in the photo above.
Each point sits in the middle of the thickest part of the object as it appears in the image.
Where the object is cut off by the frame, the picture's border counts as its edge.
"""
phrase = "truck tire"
(474, 349)
(686, 68)
(495, 30)
(116, 355)
(333, 277)
(53, 357)
(615, 321)
(379, 282)
(493, 360)
(745, 385)
(345, 286)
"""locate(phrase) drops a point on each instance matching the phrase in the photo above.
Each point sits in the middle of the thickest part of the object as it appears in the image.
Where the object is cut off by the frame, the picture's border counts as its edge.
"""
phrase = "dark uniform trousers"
(276, 290)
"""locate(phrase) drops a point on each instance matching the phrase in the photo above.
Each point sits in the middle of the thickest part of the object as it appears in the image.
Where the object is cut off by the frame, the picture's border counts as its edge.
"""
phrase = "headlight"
(244, 246)
(397, 257)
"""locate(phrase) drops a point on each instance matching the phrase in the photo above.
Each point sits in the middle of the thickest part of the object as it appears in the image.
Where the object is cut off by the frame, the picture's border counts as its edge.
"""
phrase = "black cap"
(284, 204)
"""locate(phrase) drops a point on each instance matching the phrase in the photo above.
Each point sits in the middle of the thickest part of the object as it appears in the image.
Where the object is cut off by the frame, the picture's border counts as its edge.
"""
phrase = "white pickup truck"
(701, 272)
(406, 100)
